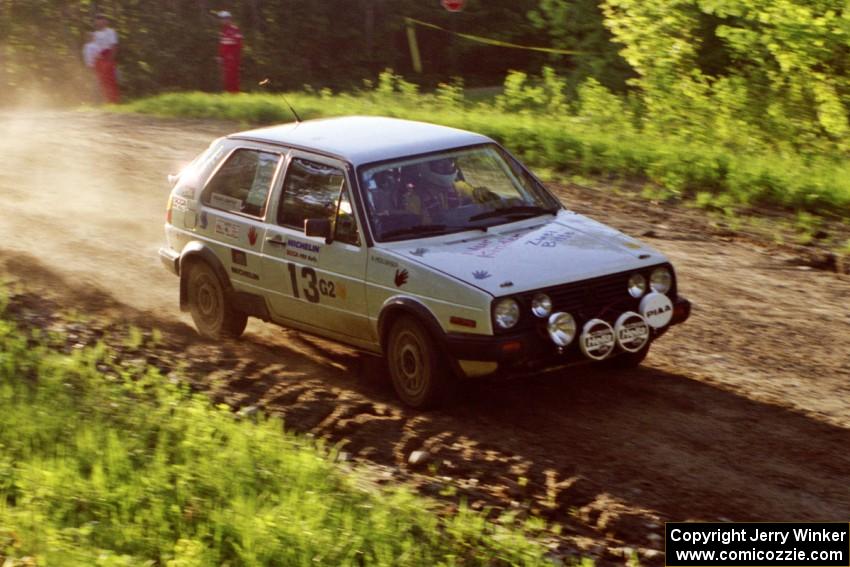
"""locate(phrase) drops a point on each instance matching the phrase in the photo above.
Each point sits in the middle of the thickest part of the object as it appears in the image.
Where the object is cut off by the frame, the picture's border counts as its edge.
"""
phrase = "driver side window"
(314, 190)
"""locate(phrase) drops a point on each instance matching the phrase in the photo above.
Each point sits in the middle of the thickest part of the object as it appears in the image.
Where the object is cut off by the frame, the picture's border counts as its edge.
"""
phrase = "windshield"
(466, 189)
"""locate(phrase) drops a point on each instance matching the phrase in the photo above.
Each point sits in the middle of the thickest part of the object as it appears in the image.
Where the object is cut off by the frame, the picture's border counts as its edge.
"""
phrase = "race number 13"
(314, 287)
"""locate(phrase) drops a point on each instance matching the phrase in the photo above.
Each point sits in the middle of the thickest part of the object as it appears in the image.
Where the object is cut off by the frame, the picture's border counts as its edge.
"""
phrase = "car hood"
(530, 254)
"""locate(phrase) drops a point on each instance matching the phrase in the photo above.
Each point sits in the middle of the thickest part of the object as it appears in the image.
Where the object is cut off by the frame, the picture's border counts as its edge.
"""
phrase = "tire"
(419, 373)
(628, 360)
(213, 316)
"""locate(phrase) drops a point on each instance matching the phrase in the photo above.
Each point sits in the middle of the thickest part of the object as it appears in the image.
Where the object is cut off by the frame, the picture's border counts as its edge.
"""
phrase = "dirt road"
(743, 413)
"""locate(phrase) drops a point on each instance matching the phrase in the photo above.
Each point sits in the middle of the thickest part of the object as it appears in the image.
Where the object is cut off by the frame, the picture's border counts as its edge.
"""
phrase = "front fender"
(395, 306)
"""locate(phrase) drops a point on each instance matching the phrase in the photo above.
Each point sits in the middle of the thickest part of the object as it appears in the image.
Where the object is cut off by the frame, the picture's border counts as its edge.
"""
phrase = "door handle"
(276, 240)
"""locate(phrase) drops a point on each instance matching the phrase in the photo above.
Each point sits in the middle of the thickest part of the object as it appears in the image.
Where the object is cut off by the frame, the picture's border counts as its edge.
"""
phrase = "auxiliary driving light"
(541, 305)
(597, 339)
(637, 285)
(660, 280)
(562, 328)
(632, 331)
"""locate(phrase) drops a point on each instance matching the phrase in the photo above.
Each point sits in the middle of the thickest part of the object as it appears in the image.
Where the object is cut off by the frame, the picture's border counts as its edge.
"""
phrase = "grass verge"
(111, 464)
(720, 177)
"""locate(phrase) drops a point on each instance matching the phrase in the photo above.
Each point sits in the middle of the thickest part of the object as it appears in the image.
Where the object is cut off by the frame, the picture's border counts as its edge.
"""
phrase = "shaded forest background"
(748, 74)
(170, 44)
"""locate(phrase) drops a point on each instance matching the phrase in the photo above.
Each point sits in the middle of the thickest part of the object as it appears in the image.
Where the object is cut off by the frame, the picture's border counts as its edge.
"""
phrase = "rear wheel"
(213, 316)
(420, 376)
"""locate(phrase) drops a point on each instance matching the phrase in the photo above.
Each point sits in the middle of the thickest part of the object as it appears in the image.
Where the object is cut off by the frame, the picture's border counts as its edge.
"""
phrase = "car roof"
(365, 139)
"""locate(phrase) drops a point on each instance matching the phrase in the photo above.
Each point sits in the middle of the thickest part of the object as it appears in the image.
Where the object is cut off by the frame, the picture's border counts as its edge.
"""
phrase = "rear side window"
(243, 183)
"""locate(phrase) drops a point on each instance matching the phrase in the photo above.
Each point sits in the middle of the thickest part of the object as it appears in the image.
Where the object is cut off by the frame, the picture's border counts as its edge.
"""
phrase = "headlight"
(660, 280)
(562, 328)
(541, 305)
(637, 285)
(506, 313)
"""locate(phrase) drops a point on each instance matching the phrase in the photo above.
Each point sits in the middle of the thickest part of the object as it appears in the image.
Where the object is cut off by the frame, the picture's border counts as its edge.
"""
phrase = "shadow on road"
(570, 444)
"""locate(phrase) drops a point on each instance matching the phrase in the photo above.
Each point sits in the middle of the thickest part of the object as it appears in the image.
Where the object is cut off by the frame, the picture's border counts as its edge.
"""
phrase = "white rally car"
(431, 246)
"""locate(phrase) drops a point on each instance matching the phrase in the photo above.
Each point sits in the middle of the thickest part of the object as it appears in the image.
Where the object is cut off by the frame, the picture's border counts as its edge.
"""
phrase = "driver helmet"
(441, 171)
(387, 180)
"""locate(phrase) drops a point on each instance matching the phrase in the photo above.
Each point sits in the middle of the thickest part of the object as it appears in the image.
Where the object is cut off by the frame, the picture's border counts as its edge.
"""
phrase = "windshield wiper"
(415, 230)
(525, 210)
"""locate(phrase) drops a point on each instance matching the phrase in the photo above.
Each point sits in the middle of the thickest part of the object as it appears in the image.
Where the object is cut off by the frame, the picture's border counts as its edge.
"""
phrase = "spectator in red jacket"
(105, 50)
(229, 52)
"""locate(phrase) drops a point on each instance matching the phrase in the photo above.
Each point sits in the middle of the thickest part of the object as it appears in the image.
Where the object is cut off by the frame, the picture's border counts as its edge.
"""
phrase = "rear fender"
(198, 251)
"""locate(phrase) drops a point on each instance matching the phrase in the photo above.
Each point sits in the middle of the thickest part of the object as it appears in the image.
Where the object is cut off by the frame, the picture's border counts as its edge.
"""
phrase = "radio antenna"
(266, 82)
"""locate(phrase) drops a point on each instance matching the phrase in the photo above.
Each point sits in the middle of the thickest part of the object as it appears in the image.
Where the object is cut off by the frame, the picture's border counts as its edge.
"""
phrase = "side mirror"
(317, 227)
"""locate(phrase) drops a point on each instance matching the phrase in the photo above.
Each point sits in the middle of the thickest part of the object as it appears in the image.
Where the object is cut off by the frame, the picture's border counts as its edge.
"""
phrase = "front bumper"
(170, 259)
(532, 349)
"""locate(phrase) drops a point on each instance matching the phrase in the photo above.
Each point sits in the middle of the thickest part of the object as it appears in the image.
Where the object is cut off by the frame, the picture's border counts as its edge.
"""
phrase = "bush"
(109, 464)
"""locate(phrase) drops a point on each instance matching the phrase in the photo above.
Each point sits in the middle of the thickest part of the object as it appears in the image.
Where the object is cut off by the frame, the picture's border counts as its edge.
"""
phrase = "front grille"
(605, 297)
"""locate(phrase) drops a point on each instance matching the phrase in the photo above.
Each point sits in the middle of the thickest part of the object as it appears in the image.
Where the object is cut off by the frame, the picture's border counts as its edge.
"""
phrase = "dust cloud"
(86, 192)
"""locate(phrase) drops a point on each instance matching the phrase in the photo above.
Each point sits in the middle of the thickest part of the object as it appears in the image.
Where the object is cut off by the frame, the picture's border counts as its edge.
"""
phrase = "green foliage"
(752, 74)
(523, 93)
(107, 464)
(598, 133)
(450, 95)
(600, 107)
(577, 25)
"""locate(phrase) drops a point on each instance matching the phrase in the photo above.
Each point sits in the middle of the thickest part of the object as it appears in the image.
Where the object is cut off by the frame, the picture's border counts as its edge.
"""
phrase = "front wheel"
(213, 316)
(420, 376)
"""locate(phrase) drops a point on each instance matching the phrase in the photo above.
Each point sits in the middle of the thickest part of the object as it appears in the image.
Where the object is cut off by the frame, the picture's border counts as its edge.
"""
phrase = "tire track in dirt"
(741, 413)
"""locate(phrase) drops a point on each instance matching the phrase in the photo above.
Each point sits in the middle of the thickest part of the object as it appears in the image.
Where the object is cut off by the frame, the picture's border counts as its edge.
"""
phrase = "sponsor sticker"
(384, 262)
(300, 250)
(179, 203)
(551, 238)
(227, 228)
(226, 202)
(481, 274)
(401, 277)
(244, 273)
(489, 247)
(239, 257)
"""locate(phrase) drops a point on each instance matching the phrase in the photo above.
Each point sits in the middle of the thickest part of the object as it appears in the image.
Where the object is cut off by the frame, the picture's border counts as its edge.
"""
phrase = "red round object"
(453, 5)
